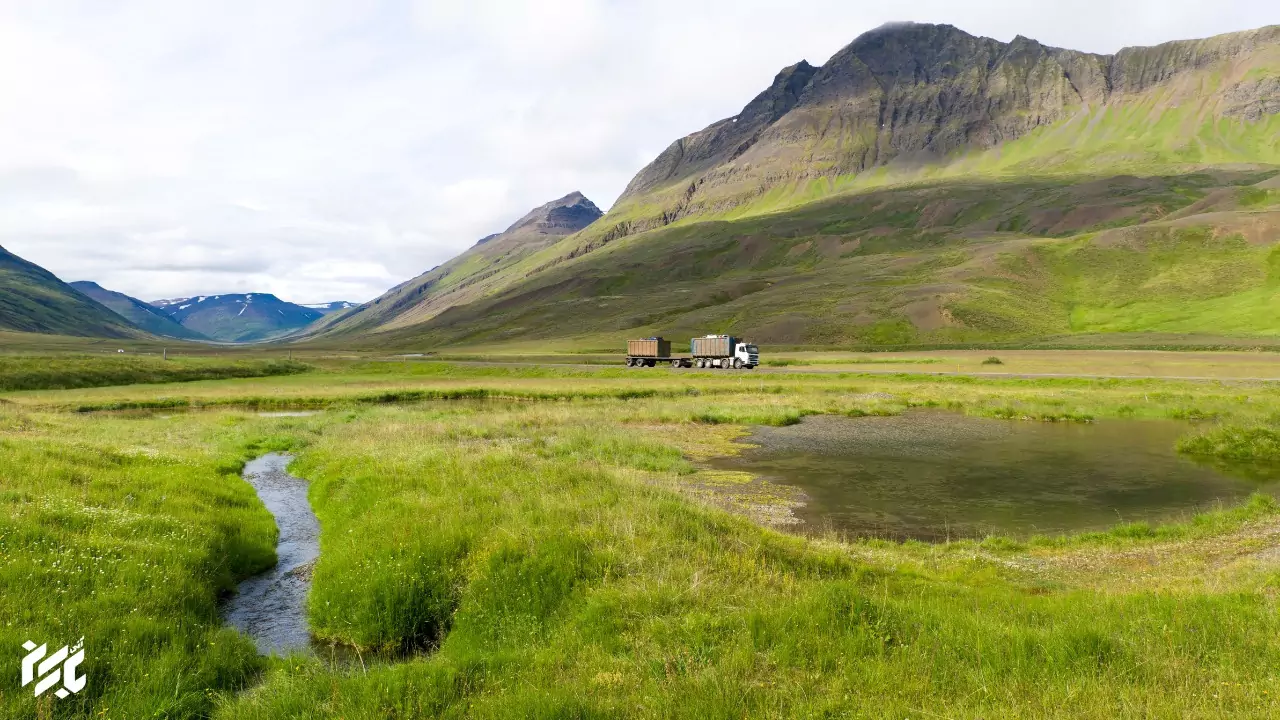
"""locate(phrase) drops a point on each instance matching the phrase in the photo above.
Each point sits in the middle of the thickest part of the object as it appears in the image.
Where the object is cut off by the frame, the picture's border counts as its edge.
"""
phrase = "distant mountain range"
(330, 307)
(33, 300)
(242, 317)
(140, 314)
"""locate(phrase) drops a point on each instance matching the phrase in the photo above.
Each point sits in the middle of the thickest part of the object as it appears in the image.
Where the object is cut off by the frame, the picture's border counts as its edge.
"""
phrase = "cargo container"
(710, 351)
(654, 347)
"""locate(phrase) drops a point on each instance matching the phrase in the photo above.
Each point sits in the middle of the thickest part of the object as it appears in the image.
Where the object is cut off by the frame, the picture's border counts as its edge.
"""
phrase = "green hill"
(137, 312)
(926, 186)
(33, 300)
(470, 275)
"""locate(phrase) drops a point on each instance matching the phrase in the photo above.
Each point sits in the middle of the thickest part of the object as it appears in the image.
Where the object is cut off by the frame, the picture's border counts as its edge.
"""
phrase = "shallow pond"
(932, 475)
(272, 607)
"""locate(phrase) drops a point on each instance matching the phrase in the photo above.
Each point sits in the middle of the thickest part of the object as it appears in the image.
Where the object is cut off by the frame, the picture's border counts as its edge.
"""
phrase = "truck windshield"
(752, 349)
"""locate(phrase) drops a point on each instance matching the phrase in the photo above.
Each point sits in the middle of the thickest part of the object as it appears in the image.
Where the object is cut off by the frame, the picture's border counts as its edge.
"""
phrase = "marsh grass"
(61, 372)
(532, 551)
(1254, 444)
(516, 551)
(126, 533)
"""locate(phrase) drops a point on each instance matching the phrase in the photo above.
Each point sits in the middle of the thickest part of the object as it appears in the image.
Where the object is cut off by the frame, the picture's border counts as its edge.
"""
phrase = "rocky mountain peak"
(566, 215)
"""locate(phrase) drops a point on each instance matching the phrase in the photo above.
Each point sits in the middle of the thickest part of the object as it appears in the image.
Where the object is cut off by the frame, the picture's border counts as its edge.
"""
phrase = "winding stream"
(272, 607)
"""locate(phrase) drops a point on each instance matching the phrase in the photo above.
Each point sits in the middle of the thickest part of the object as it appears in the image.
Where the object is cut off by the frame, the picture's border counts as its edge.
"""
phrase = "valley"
(1012, 449)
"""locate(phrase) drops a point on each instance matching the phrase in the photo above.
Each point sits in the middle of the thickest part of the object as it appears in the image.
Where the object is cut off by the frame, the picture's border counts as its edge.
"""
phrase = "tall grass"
(127, 539)
(541, 556)
(1258, 444)
(547, 584)
(61, 372)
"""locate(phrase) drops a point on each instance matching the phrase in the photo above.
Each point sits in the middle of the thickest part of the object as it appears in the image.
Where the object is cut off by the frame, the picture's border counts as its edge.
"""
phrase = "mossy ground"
(550, 548)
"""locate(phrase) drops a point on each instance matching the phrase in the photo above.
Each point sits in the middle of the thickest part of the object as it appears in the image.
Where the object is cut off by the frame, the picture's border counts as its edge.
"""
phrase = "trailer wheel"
(675, 363)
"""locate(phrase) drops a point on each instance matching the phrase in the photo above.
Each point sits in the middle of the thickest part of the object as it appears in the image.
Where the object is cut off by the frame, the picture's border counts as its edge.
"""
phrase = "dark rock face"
(567, 215)
(1253, 100)
(910, 93)
(728, 138)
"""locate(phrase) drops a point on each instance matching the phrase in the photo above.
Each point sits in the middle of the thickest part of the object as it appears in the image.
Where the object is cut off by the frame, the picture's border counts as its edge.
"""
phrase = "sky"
(324, 150)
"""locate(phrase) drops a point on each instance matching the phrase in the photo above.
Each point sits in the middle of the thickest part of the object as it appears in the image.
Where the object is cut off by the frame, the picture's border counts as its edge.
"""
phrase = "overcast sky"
(329, 150)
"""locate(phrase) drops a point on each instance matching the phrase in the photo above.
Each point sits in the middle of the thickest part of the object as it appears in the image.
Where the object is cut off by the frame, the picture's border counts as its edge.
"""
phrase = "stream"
(271, 607)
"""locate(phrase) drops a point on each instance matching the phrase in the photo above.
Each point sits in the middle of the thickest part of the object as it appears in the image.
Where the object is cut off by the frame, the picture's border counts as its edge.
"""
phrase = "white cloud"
(327, 150)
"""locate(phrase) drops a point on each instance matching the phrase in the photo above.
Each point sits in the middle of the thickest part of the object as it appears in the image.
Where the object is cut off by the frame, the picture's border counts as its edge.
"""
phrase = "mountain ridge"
(32, 299)
(239, 317)
(875, 85)
(465, 276)
(138, 313)
(925, 146)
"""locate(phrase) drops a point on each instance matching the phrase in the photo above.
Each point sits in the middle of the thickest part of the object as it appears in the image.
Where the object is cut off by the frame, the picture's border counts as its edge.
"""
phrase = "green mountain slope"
(928, 186)
(32, 299)
(470, 275)
(137, 312)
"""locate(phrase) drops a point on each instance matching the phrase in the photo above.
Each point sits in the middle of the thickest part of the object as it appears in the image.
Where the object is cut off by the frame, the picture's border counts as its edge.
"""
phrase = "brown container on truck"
(650, 348)
(714, 346)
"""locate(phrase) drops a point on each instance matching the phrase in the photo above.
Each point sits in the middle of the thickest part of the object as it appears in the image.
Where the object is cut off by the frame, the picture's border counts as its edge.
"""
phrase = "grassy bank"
(126, 536)
(62, 372)
(546, 546)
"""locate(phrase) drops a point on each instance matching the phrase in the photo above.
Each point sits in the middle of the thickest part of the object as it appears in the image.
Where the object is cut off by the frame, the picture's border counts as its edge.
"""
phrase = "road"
(856, 369)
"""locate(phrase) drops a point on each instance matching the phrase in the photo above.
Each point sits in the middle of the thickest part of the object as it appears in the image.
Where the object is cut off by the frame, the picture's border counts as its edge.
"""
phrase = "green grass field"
(505, 541)
(62, 372)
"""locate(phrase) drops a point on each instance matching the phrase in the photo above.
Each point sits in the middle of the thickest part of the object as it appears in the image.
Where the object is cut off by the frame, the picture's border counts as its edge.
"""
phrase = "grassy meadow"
(61, 372)
(544, 541)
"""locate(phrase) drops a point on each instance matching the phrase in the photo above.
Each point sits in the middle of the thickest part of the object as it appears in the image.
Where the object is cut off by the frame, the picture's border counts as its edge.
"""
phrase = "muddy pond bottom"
(934, 476)
(272, 607)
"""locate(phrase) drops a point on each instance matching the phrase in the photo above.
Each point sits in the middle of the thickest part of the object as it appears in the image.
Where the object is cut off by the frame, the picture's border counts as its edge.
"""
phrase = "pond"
(934, 475)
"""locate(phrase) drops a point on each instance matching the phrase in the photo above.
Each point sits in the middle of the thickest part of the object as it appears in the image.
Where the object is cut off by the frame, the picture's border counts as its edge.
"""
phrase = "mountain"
(32, 299)
(330, 307)
(238, 317)
(470, 275)
(923, 186)
(907, 96)
(136, 312)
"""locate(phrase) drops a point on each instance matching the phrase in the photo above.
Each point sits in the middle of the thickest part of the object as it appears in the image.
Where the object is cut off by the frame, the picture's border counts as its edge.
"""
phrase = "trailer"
(711, 351)
(649, 352)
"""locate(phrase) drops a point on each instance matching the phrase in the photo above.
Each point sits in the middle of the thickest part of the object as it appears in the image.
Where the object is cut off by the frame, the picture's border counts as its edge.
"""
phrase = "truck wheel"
(737, 363)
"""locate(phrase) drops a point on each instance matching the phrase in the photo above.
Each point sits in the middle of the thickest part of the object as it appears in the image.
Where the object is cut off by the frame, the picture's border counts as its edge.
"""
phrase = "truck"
(709, 351)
